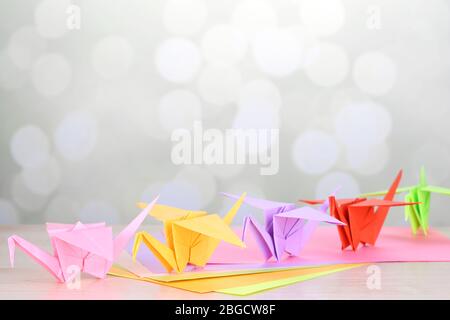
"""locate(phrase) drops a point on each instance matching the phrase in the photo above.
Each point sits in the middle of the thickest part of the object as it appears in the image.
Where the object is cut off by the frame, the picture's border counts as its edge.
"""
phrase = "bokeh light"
(30, 147)
(112, 57)
(224, 45)
(76, 135)
(329, 67)
(374, 73)
(179, 109)
(315, 152)
(184, 17)
(51, 74)
(178, 60)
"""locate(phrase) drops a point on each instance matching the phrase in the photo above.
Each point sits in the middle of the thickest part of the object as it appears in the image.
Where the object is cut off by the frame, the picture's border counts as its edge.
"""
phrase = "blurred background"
(91, 90)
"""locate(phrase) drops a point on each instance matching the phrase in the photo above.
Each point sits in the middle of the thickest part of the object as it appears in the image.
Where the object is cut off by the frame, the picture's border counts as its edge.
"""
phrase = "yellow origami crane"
(191, 236)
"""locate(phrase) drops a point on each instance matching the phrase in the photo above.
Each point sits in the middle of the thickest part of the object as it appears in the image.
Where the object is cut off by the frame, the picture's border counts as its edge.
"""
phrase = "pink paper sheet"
(395, 244)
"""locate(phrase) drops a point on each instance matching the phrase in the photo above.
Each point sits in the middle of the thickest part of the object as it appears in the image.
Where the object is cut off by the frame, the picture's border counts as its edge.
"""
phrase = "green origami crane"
(418, 213)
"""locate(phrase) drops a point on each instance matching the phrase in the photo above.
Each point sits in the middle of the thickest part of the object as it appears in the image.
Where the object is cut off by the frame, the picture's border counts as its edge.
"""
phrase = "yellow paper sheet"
(267, 285)
(221, 284)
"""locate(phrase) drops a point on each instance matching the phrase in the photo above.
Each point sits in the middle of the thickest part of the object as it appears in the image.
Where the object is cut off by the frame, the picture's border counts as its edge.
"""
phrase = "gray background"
(358, 90)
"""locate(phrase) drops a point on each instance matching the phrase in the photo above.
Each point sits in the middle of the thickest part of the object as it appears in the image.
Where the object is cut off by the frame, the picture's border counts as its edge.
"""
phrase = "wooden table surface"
(28, 280)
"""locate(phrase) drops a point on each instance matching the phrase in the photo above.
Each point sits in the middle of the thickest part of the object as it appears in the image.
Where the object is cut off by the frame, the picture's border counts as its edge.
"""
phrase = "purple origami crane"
(287, 228)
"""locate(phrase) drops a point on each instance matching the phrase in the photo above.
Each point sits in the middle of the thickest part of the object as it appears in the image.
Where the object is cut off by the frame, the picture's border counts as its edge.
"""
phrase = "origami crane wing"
(163, 212)
(382, 193)
(270, 208)
(293, 229)
(259, 203)
(366, 222)
(433, 189)
(212, 226)
(195, 239)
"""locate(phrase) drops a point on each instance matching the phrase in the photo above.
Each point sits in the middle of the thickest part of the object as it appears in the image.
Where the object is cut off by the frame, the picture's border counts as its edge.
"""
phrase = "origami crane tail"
(46, 260)
(164, 254)
(232, 213)
(126, 234)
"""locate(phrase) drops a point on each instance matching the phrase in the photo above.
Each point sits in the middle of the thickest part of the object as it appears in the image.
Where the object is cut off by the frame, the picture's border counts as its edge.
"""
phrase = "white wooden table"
(28, 280)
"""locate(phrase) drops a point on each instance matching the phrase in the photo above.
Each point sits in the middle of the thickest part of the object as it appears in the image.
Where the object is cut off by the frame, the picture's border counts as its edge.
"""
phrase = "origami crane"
(417, 214)
(287, 228)
(89, 247)
(363, 217)
(191, 236)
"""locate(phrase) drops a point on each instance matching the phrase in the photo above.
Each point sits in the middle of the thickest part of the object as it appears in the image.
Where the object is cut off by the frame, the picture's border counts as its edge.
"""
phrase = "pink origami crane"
(90, 247)
(287, 228)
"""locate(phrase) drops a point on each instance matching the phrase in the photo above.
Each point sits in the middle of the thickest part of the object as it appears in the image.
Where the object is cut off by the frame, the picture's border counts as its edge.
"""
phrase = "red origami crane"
(363, 217)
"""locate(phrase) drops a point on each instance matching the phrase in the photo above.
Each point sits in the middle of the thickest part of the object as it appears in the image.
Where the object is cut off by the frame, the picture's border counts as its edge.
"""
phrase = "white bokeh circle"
(365, 123)
(51, 17)
(202, 180)
(44, 179)
(62, 209)
(256, 118)
(51, 74)
(251, 16)
(435, 157)
(260, 92)
(367, 159)
(330, 65)
(76, 135)
(224, 45)
(322, 17)
(11, 76)
(184, 17)
(277, 52)
(219, 85)
(374, 73)
(179, 109)
(178, 60)
(30, 147)
(176, 193)
(24, 197)
(345, 184)
(25, 46)
(99, 211)
(315, 152)
(8, 213)
(112, 57)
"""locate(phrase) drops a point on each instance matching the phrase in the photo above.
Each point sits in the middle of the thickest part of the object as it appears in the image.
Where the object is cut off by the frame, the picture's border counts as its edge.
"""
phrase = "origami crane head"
(287, 228)
(417, 214)
(90, 248)
(363, 217)
(191, 236)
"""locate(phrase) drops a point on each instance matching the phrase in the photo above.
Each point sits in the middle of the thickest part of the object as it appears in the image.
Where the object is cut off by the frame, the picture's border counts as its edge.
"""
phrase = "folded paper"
(363, 217)
(88, 248)
(394, 244)
(421, 193)
(191, 236)
(287, 228)
(244, 283)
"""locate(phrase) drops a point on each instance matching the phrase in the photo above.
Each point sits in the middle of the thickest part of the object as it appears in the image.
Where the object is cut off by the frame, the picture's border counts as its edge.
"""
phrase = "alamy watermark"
(74, 277)
(228, 147)
(374, 279)
(73, 21)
